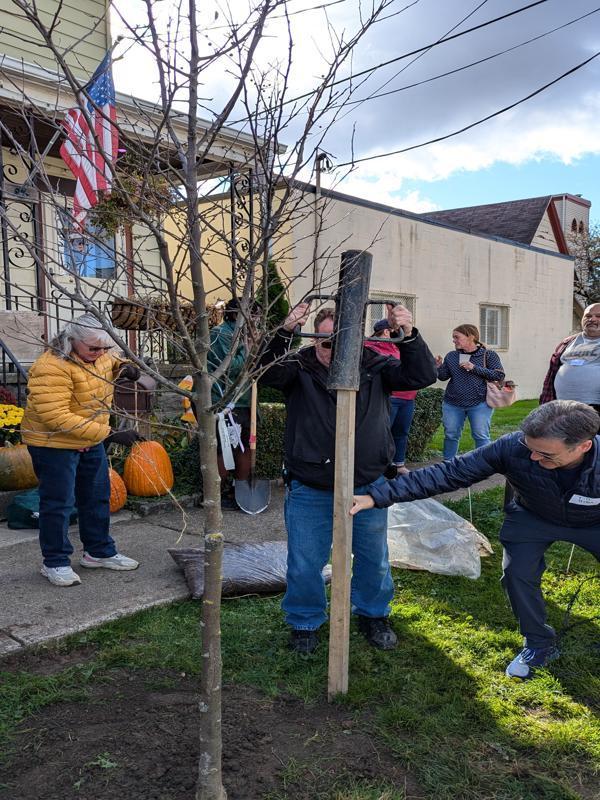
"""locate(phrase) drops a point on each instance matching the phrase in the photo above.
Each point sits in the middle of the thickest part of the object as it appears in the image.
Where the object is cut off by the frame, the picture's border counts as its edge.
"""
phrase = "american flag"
(90, 164)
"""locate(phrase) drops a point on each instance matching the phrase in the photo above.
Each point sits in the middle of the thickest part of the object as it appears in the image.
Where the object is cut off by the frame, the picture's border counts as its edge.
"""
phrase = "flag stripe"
(90, 151)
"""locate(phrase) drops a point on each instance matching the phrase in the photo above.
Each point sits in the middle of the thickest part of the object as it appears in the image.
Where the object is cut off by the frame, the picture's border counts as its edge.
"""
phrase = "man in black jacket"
(309, 464)
(553, 466)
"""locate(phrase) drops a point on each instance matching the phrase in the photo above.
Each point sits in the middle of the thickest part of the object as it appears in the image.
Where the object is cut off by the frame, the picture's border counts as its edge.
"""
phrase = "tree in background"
(585, 247)
(272, 295)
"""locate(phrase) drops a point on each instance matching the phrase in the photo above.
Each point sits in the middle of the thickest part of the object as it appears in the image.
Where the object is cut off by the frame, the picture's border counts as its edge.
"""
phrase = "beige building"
(503, 267)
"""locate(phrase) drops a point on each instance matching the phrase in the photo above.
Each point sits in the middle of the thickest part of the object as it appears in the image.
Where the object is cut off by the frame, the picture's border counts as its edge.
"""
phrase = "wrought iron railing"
(12, 373)
(60, 309)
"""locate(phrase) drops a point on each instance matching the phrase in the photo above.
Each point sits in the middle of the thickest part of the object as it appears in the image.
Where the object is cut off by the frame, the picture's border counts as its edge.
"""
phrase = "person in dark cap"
(402, 404)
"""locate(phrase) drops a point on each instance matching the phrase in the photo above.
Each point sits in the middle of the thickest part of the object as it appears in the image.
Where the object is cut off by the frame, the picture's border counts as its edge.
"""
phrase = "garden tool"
(253, 495)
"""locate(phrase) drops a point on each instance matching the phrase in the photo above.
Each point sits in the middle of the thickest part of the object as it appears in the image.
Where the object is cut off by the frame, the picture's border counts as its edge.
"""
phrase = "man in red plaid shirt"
(574, 371)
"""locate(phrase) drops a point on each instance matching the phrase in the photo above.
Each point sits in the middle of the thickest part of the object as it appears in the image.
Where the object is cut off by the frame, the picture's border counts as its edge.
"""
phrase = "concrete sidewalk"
(32, 611)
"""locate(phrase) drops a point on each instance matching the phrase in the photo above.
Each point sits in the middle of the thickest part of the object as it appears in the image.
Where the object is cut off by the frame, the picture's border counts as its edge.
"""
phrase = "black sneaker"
(303, 642)
(378, 632)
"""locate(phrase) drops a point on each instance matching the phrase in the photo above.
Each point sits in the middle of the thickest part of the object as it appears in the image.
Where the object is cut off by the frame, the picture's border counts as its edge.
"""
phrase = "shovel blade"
(253, 496)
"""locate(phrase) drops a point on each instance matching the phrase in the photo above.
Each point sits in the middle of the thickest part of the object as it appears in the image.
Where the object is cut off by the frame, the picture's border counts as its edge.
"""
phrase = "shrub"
(269, 437)
(427, 419)
(271, 426)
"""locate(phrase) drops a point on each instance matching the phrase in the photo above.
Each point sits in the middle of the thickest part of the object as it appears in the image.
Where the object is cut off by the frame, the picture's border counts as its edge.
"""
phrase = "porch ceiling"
(27, 90)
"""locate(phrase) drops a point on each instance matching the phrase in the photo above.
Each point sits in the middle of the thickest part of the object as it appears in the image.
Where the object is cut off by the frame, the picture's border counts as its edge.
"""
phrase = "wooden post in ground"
(341, 557)
(344, 376)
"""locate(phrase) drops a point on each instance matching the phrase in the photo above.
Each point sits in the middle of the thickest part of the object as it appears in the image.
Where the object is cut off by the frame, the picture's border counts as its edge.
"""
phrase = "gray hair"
(566, 420)
(82, 329)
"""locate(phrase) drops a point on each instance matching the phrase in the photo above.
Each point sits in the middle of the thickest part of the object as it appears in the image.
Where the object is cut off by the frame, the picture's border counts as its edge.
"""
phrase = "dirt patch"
(137, 738)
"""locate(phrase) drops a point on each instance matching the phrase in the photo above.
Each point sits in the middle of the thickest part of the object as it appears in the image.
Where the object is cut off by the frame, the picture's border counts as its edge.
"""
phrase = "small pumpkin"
(16, 469)
(118, 492)
(147, 471)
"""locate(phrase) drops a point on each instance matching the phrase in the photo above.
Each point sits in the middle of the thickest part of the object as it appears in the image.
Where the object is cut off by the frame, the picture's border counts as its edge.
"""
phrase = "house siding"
(83, 27)
(452, 274)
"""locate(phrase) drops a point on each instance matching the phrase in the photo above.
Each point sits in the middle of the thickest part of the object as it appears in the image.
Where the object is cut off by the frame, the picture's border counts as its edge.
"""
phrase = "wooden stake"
(341, 559)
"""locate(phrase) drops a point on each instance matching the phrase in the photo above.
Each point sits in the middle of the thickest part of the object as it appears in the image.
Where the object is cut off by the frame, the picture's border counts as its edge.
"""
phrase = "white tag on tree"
(224, 438)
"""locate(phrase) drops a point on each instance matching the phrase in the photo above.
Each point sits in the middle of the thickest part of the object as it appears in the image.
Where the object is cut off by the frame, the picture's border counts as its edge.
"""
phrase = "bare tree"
(198, 183)
(585, 248)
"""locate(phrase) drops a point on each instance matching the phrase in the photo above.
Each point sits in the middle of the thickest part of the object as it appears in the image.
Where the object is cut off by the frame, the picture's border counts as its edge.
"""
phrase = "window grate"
(377, 311)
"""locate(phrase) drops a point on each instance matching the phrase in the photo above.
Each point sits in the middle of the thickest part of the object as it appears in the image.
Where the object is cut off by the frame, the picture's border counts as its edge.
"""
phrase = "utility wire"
(465, 66)
(429, 46)
(477, 122)
(370, 70)
(420, 55)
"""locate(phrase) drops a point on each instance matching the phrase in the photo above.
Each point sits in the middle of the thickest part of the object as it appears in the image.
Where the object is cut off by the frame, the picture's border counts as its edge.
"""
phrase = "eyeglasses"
(99, 349)
(548, 456)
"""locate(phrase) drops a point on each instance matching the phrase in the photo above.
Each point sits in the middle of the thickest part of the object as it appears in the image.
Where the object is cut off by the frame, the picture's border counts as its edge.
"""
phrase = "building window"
(581, 228)
(493, 326)
(377, 310)
(574, 226)
(89, 253)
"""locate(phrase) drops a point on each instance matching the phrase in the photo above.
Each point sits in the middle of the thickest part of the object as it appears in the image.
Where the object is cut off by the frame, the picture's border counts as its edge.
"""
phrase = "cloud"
(560, 123)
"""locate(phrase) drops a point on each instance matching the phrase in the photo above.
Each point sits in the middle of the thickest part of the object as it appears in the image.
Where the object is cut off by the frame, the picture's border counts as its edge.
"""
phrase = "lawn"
(504, 420)
(440, 704)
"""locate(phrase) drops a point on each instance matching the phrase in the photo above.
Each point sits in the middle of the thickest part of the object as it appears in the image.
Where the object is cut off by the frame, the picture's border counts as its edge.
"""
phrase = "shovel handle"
(253, 398)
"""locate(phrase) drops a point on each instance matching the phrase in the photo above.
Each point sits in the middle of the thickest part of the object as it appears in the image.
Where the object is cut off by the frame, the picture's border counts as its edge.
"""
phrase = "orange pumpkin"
(16, 469)
(118, 492)
(148, 471)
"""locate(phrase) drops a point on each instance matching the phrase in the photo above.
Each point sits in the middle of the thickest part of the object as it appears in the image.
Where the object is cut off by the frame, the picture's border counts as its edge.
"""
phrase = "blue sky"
(502, 182)
(548, 144)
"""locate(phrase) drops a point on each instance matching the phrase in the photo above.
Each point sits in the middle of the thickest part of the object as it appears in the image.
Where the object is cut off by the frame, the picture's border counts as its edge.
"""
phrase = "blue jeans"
(401, 414)
(454, 418)
(68, 478)
(309, 522)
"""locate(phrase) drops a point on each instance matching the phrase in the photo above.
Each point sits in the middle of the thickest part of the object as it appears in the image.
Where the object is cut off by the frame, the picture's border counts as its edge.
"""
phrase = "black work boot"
(303, 642)
(378, 632)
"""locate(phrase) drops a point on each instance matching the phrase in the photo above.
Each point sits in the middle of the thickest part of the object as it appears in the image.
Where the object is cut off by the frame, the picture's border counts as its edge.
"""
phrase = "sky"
(546, 145)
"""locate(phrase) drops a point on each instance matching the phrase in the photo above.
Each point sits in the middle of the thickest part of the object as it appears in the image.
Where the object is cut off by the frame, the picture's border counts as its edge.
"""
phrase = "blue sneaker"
(523, 665)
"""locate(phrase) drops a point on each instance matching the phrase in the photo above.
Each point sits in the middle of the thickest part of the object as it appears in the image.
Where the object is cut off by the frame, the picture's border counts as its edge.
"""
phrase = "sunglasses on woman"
(99, 349)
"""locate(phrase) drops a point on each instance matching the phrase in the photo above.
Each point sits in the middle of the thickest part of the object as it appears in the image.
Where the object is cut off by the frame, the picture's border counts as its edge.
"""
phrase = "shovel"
(252, 495)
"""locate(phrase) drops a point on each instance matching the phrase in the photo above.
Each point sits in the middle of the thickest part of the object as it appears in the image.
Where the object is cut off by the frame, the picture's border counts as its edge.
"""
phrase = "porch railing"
(12, 373)
(60, 309)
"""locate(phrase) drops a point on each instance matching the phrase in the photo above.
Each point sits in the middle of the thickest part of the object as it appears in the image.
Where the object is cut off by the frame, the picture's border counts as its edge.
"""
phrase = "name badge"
(580, 500)
(576, 362)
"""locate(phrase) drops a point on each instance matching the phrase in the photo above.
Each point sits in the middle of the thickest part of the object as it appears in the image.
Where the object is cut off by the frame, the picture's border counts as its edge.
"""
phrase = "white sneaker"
(60, 576)
(118, 562)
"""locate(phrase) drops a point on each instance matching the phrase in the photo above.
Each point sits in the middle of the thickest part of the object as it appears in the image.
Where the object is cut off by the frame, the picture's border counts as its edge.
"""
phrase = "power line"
(465, 66)
(370, 70)
(473, 124)
(429, 46)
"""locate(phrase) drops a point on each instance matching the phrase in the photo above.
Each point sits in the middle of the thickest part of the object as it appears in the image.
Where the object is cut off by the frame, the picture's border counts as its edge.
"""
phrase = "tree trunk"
(210, 784)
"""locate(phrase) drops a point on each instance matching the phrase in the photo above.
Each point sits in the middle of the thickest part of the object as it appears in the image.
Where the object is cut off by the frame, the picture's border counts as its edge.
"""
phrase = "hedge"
(271, 425)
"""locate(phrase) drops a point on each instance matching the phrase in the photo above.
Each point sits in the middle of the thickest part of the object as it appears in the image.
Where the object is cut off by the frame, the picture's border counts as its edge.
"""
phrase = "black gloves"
(128, 372)
(127, 437)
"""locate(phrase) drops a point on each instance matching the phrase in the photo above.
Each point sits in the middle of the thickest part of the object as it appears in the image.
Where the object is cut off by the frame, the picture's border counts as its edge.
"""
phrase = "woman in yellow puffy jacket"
(65, 427)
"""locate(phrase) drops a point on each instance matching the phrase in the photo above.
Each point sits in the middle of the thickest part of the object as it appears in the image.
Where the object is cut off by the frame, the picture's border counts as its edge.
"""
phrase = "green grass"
(440, 702)
(504, 420)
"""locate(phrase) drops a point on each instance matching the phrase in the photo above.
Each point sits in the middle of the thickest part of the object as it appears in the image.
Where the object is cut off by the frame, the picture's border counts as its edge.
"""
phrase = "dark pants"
(525, 538)
(401, 414)
(70, 478)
